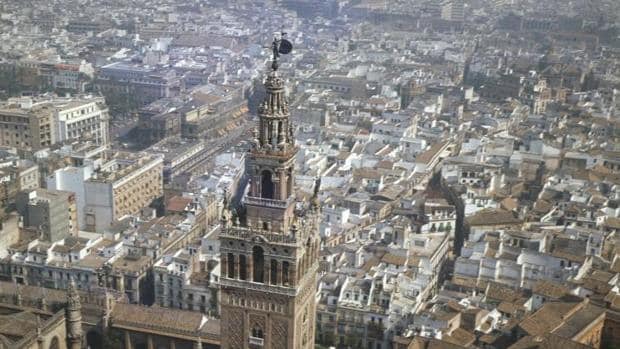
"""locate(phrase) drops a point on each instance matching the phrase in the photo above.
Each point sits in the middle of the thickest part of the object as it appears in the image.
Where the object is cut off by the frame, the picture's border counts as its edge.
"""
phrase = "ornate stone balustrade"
(252, 200)
(247, 233)
(283, 290)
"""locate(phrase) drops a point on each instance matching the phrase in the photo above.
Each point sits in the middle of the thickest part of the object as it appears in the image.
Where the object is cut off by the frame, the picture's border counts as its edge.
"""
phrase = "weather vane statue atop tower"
(279, 46)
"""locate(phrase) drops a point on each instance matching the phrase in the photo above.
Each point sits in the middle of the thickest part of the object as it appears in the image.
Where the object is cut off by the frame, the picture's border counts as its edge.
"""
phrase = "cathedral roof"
(174, 321)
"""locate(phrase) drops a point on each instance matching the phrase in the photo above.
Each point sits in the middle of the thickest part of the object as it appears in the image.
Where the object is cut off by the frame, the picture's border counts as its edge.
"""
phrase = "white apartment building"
(72, 179)
(40, 122)
(181, 283)
(83, 118)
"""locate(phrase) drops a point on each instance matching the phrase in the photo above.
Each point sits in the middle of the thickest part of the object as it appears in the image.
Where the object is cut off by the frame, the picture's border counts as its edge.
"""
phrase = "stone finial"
(43, 303)
(294, 229)
(315, 194)
(198, 343)
(73, 298)
(226, 215)
(38, 325)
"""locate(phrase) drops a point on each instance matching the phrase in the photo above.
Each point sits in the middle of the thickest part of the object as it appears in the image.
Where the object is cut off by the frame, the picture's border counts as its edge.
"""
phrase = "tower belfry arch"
(268, 263)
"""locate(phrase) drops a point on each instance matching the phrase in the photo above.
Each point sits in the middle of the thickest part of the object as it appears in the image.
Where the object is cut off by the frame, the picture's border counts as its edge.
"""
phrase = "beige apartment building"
(27, 128)
(123, 186)
(27, 123)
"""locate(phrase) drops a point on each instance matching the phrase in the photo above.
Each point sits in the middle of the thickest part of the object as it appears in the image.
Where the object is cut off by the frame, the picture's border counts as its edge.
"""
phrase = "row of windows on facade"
(90, 121)
(190, 306)
(190, 297)
(441, 228)
(82, 111)
(80, 133)
(331, 87)
(78, 277)
(350, 317)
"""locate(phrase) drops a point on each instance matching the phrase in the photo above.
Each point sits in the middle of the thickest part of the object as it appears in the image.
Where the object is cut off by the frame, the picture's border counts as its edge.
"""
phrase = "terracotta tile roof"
(164, 319)
(464, 281)
(385, 164)
(372, 262)
(613, 300)
(432, 343)
(547, 341)
(545, 319)
(488, 338)
(18, 325)
(177, 204)
(8, 289)
(367, 173)
(542, 206)
(427, 156)
(393, 259)
(550, 289)
(615, 264)
(612, 222)
(493, 216)
(509, 307)
(584, 317)
(501, 293)
(509, 204)
(460, 337)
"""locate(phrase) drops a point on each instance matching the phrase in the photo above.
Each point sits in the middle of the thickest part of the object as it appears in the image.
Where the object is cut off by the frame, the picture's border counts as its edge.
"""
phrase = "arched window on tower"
(274, 272)
(231, 265)
(55, 343)
(267, 186)
(280, 131)
(258, 263)
(257, 332)
(289, 182)
(243, 271)
(285, 273)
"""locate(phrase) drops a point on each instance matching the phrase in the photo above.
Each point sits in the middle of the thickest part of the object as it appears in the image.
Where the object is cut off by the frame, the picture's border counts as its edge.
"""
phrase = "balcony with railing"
(256, 342)
(255, 286)
(256, 201)
(247, 233)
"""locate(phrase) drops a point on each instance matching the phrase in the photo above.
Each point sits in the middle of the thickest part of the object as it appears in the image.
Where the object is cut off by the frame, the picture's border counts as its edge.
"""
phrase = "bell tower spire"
(269, 263)
(271, 160)
(274, 128)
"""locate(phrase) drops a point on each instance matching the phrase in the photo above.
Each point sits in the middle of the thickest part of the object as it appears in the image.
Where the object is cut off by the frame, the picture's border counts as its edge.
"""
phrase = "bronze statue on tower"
(279, 46)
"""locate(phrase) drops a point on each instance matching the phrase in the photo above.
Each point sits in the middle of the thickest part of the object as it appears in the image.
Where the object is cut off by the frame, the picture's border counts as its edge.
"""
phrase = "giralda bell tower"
(269, 251)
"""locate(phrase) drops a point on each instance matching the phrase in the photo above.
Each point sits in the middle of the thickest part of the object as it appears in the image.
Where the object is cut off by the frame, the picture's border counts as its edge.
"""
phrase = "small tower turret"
(74, 317)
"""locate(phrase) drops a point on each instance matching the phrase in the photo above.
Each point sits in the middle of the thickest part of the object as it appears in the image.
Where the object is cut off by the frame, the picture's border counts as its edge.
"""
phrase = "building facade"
(27, 127)
(123, 186)
(53, 212)
(28, 123)
(87, 118)
(270, 254)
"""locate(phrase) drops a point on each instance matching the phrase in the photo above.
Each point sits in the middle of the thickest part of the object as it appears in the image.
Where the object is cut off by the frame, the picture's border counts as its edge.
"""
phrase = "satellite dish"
(285, 47)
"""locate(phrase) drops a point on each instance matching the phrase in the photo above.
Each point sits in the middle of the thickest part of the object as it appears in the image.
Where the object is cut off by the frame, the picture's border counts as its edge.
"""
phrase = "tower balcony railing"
(277, 152)
(253, 200)
(247, 233)
(255, 341)
(256, 286)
